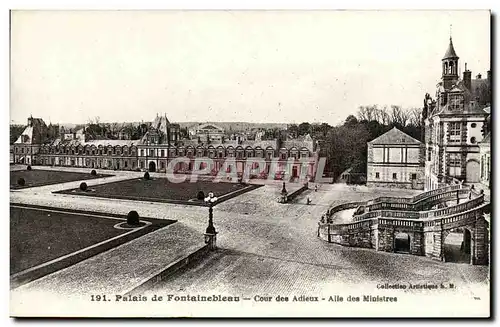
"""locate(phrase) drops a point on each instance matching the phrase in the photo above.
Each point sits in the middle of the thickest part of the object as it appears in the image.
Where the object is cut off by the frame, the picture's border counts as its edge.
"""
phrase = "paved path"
(122, 268)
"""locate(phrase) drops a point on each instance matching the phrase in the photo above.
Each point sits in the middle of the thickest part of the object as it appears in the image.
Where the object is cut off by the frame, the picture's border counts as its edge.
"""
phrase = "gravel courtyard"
(271, 248)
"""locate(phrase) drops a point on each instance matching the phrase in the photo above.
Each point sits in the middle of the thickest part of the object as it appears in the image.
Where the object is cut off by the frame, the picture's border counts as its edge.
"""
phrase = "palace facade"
(159, 146)
(456, 121)
(395, 159)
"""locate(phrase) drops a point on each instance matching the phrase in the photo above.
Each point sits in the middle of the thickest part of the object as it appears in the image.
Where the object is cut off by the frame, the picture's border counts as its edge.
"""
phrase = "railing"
(453, 209)
(423, 214)
(421, 196)
(471, 213)
(427, 196)
(387, 214)
(382, 209)
(343, 206)
(414, 224)
(349, 227)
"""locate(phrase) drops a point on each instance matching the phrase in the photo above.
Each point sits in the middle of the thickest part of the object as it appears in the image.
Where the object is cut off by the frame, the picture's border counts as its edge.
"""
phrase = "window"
(162, 164)
(455, 132)
(473, 140)
(429, 155)
(283, 156)
(394, 176)
(455, 160)
(473, 125)
(162, 153)
(125, 164)
(377, 175)
(151, 153)
(455, 102)
(142, 153)
(413, 176)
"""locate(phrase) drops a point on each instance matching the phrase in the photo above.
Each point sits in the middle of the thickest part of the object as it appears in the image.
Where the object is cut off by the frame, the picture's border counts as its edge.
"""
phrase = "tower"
(450, 67)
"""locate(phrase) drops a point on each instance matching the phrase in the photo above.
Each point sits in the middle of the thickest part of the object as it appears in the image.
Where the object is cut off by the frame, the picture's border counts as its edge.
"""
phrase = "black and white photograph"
(250, 163)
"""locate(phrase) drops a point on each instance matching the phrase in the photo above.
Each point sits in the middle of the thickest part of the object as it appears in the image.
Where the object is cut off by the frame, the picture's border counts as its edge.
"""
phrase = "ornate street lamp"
(284, 194)
(211, 233)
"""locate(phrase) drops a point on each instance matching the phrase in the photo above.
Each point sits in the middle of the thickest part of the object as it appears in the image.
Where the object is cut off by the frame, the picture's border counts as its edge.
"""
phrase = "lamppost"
(284, 194)
(211, 233)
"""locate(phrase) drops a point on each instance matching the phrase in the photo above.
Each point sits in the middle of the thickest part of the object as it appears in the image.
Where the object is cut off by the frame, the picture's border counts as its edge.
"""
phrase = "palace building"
(395, 159)
(159, 145)
(455, 124)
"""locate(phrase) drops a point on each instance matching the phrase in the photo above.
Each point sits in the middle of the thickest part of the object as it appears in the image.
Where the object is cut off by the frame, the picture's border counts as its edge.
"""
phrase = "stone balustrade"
(377, 229)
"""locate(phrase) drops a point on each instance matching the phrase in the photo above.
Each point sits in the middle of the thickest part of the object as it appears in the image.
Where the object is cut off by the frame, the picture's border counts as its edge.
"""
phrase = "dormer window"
(456, 102)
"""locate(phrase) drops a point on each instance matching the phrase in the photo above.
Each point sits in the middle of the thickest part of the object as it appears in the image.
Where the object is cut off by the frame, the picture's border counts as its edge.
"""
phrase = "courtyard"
(40, 235)
(162, 190)
(265, 247)
(39, 177)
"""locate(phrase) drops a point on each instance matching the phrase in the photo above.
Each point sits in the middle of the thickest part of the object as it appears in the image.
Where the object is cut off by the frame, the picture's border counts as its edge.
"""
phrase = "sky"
(252, 66)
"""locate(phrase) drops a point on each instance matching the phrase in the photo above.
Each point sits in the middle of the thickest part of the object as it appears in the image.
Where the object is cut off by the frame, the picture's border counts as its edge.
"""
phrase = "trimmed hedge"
(133, 218)
(146, 176)
(83, 186)
(93, 172)
(29, 167)
(21, 181)
(200, 195)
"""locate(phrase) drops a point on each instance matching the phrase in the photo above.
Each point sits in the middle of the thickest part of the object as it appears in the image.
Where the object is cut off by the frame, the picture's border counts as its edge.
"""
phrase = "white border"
(190, 4)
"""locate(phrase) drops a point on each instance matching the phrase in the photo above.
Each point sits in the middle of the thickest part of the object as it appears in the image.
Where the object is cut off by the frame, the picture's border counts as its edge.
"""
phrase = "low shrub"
(29, 167)
(133, 218)
(146, 176)
(201, 195)
(21, 181)
(83, 186)
(93, 172)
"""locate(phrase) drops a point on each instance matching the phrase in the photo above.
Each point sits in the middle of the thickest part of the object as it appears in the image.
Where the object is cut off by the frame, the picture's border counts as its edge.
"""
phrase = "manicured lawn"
(40, 235)
(38, 177)
(161, 190)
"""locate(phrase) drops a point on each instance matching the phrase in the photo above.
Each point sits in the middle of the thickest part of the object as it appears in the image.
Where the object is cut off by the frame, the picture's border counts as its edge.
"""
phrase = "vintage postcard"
(176, 163)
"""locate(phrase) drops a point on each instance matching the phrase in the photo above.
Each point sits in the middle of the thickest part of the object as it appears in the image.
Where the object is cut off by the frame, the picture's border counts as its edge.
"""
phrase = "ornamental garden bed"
(38, 177)
(162, 190)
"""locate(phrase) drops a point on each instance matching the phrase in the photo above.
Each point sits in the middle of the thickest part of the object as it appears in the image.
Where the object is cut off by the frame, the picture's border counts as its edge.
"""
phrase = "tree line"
(345, 145)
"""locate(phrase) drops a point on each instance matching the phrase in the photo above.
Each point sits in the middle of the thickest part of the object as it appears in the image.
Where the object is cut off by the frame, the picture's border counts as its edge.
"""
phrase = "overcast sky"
(259, 66)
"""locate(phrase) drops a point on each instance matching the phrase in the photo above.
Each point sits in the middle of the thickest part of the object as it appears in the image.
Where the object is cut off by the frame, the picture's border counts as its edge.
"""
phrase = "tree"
(398, 116)
(304, 128)
(367, 112)
(348, 147)
(293, 130)
(130, 131)
(351, 120)
(415, 117)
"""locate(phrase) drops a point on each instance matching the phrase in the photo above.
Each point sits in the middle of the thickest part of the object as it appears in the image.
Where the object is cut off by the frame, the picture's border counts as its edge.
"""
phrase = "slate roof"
(395, 136)
(450, 52)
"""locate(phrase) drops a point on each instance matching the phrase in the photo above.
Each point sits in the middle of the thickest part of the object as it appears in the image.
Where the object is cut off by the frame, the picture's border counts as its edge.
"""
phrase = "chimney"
(478, 76)
(467, 78)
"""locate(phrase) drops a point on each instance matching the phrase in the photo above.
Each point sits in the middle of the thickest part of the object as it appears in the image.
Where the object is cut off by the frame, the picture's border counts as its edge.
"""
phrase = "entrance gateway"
(152, 167)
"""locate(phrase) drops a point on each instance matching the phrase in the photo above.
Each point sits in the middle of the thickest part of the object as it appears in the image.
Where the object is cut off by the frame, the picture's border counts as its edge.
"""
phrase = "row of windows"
(92, 151)
(395, 176)
(181, 152)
